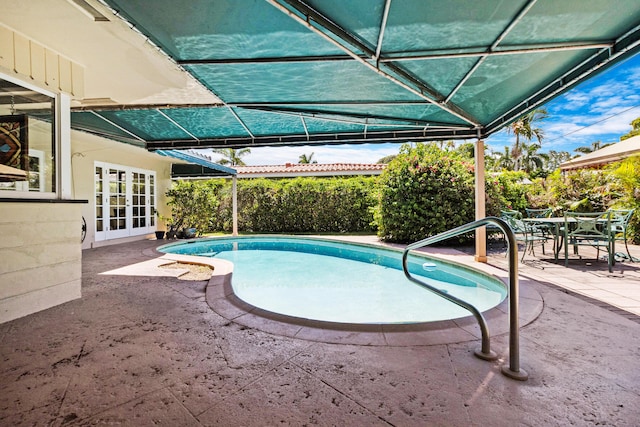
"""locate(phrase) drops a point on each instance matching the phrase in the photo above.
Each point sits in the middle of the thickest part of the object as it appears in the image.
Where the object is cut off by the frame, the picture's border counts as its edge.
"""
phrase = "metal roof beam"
(359, 119)
(495, 44)
(176, 124)
(499, 51)
(123, 107)
(428, 134)
(117, 126)
(383, 26)
(305, 15)
(468, 52)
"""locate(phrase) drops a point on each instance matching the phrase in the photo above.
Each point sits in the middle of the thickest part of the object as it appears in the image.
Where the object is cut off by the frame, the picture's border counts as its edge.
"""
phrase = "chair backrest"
(515, 223)
(507, 213)
(538, 213)
(588, 225)
(620, 218)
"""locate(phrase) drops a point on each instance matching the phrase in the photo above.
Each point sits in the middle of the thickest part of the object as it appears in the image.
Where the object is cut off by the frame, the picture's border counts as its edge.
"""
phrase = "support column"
(234, 203)
(481, 233)
(63, 129)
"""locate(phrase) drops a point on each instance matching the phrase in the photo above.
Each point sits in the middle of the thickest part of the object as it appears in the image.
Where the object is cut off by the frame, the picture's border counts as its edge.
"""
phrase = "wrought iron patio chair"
(619, 223)
(525, 233)
(538, 213)
(589, 229)
(509, 213)
(541, 213)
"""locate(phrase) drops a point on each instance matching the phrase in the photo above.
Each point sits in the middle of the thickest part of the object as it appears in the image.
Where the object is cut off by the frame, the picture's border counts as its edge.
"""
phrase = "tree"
(595, 146)
(503, 160)
(231, 156)
(467, 149)
(532, 161)
(386, 159)
(304, 159)
(523, 128)
(635, 130)
(556, 158)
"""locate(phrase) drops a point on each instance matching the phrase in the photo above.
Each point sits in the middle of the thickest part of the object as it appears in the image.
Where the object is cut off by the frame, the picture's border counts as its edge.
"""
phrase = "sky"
(599, 109)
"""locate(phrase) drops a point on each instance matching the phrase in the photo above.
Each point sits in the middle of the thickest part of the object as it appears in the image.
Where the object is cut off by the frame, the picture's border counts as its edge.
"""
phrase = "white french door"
(125, 201)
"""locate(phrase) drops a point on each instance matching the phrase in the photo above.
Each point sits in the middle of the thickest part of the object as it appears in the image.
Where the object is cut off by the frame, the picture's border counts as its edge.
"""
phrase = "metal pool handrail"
(513, 370)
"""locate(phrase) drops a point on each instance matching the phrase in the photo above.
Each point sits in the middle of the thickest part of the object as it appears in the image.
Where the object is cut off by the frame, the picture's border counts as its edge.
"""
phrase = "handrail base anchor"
(521, 375)
(491, 355)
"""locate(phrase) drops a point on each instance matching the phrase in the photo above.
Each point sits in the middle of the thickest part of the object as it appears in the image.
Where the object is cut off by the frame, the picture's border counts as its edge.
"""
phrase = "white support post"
(234, 193)
(481, 233)
(63, 125)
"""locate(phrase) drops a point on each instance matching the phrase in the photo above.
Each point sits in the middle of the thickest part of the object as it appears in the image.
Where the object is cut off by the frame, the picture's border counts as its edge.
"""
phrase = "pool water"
(346, 283)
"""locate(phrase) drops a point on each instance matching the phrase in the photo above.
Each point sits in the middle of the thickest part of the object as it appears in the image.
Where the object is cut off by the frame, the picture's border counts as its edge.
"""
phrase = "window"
(27, 140)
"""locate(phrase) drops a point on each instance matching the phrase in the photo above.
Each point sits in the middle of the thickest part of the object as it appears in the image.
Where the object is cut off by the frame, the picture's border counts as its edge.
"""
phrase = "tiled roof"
(310, 169)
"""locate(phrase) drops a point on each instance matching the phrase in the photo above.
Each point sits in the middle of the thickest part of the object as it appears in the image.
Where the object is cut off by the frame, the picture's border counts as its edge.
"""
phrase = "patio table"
(554, 224)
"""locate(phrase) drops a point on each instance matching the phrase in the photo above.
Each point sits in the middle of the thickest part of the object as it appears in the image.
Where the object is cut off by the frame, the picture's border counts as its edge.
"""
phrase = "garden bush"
(193, 204)
(424, 191)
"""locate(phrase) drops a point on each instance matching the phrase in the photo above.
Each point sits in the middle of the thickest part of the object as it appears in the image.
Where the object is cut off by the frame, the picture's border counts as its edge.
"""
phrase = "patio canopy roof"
(198, 165)
(311, 72)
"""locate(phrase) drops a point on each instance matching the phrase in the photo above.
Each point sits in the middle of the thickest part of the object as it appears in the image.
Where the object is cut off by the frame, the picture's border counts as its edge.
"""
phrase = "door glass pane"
(138, 189)
(99, 199)
(152, 200)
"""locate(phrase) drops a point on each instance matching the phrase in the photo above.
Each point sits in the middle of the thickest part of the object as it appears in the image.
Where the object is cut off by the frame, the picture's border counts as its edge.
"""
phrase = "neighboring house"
(290, 170)
(55, 57)
(609, 154)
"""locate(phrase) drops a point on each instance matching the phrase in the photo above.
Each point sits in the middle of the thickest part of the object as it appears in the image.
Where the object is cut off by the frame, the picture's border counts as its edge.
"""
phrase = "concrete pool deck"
(144, 348)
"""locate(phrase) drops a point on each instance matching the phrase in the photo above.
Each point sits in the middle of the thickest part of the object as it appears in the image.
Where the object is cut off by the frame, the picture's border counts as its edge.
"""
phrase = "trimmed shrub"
(193, 204)
(299, 205)
(424, 191)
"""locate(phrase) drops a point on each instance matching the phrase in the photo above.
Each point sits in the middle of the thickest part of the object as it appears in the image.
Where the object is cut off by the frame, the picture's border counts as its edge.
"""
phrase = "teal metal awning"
(334, 71)
(198, 165)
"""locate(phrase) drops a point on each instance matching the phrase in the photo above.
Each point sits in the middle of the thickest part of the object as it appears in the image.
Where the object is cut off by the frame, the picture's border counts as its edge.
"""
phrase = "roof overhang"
(609, 154)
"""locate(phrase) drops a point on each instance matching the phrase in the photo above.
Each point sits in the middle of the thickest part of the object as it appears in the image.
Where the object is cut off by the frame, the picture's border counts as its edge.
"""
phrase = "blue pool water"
(340, 282)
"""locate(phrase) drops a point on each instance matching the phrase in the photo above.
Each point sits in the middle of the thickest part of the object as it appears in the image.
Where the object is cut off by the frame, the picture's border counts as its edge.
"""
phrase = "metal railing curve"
(484, 352)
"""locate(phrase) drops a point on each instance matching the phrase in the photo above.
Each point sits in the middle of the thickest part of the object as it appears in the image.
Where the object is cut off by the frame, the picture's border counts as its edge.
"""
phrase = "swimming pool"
(333, 281)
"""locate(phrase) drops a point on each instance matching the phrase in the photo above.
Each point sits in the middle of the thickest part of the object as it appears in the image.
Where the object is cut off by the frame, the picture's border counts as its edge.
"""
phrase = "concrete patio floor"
(147, 349)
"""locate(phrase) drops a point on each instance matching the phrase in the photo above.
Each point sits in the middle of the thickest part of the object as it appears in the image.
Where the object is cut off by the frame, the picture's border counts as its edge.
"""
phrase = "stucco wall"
(40, 258)
(86, 149)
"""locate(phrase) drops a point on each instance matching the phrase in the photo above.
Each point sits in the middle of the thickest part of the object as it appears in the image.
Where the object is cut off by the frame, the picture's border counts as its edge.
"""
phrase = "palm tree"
(231, 156)
(531, 159)
(595, 146)
(306, 159)
(524, 128)
(503, 160)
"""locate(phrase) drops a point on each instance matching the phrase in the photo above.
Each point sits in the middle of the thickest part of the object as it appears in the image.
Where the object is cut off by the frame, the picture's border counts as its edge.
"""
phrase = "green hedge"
(299, 205)
(424, 191)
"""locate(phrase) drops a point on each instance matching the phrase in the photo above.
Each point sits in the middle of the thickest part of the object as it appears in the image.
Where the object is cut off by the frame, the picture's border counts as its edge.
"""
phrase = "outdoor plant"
(424, 191)
(627, 173)
(193, 204)
(299, 205)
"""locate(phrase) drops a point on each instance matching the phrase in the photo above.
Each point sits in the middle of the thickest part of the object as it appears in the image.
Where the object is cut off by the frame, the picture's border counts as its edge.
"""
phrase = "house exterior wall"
(40, 251)
(40, 257)
(86, 149)
(40, 233)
